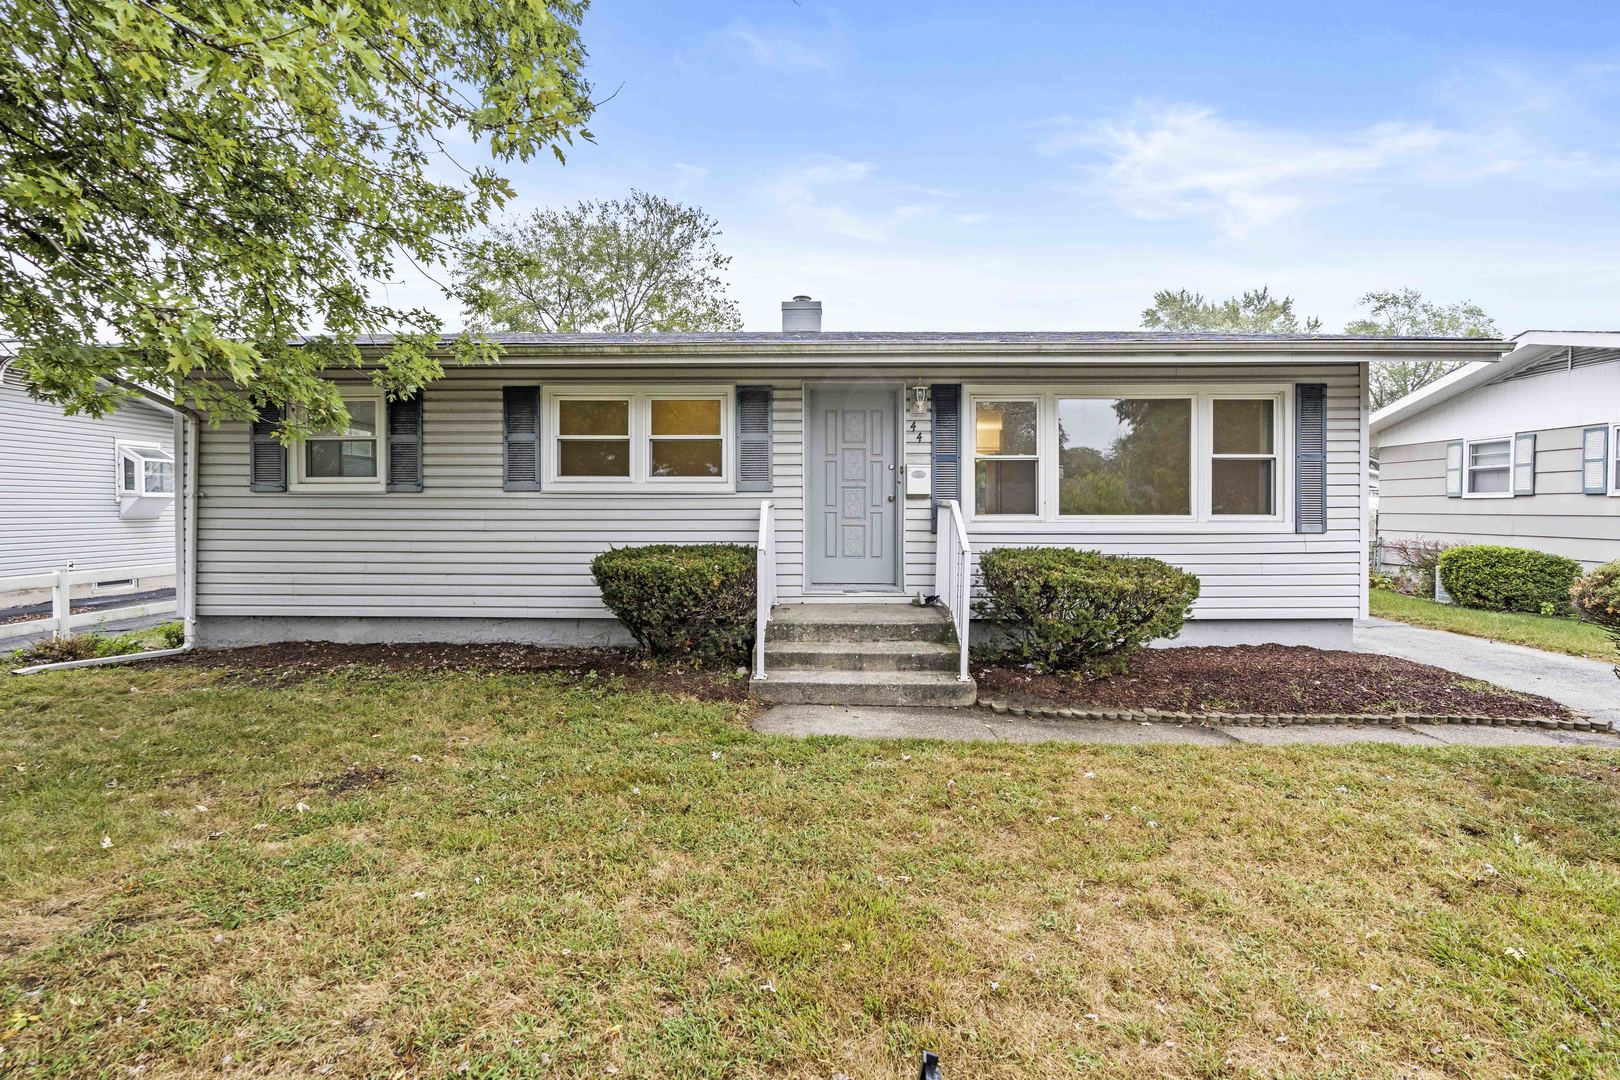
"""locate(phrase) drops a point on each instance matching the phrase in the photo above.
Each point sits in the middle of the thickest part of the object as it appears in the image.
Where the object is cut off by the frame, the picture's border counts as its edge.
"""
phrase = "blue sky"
(1049, 165)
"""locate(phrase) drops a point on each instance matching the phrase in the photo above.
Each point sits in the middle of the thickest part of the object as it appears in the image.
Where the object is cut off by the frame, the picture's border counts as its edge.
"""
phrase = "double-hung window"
(1614, 460)
(347, 460)
(659, 439)
(144, 470)
(1161, 455)
(1488, 468)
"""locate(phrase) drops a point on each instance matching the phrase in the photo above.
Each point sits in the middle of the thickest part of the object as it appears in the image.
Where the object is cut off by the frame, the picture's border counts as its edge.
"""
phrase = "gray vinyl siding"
(58, 487)
(464, 548)
(1556, 519)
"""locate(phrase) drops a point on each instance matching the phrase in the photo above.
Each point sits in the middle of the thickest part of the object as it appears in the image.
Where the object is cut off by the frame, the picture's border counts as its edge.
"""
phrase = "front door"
(853, 507)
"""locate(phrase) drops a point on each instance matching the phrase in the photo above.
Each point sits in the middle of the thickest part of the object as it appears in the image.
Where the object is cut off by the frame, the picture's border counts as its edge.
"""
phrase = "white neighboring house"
(473, 512)
(97, 493)
(1524, 452)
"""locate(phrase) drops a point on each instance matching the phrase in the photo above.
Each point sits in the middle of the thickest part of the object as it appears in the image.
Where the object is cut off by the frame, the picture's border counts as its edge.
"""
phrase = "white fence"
(62, 619)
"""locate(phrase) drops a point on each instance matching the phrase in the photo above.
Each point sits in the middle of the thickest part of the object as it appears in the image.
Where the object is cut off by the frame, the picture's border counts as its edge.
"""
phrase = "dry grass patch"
(372, 873)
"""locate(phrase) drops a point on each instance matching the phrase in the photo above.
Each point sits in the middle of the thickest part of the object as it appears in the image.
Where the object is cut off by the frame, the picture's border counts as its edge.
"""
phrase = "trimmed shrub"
(1508, 579)
(682, 601)
(1083, 611)
(1597, 600)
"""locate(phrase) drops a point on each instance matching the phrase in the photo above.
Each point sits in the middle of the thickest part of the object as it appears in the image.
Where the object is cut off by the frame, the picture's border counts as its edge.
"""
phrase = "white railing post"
(764, 583)
(953, 582)
(62, 602)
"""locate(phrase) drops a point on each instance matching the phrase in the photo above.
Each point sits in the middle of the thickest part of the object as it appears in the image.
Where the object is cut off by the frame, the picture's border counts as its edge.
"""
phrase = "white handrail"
(764, 583)
(953, 576)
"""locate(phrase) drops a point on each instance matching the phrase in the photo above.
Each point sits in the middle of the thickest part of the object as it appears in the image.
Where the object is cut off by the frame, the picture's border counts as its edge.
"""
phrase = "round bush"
(682, 600)
(1083, 611)
(1597, 596)
(1508, 578)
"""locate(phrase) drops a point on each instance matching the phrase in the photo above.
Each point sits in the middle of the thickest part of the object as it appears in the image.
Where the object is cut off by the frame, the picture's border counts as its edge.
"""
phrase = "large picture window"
(1006, 465)
(1154, 455)
(665, 439)
(1125, 456)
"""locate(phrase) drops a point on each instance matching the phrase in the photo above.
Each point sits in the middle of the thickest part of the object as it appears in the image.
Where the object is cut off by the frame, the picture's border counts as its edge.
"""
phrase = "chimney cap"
(801, 297)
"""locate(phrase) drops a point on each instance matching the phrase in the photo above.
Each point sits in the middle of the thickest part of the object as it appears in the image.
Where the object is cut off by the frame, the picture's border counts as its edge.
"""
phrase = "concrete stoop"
(862, 654)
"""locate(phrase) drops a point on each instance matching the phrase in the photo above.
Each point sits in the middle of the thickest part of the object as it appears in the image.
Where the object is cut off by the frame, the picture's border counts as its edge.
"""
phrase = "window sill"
(637, 487)
(1092, 526)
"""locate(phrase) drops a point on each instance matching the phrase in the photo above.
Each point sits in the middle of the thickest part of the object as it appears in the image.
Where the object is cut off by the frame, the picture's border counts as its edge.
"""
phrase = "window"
(1488, 468)
(144, 470)
(1243, 457)
(664, 439)
(1006, 462)
(1128, 456)
(345, 460)
(1153, 454)
(1614, 462)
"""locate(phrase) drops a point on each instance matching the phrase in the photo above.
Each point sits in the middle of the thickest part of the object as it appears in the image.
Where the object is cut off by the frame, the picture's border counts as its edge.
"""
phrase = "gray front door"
(853, 506)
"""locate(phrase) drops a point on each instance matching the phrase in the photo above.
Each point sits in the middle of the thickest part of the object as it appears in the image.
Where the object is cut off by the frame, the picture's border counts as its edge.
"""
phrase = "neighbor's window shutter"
(1310, 458)
(947, 449)
(753, 438)
(267, 458)
(1595, 460)
(521, 457)
(1454, 470)
(405, 444)
(1524, 463)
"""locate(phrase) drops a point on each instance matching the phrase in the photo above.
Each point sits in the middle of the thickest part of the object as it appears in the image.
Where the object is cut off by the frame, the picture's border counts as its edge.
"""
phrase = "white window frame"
(1614, 471)
(1201, 519)
(1207, 456)
(640, 399)
(299, 480)
(1468, 467)
(971, 480)
(138, 452)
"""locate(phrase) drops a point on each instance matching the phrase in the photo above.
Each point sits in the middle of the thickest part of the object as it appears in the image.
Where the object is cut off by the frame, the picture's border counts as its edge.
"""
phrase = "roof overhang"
(1529, 347)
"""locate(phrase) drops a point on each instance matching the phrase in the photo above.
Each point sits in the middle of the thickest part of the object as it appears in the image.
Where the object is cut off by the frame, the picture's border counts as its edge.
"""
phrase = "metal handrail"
(764, 583)
(953, 577)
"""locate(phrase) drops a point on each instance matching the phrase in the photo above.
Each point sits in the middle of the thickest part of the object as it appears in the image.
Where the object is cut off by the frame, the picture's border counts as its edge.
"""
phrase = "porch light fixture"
(917, 399)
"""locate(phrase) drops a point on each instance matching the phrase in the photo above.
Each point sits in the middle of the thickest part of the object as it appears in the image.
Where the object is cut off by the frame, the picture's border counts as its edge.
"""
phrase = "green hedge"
(1508, 579)
(682, 601)
(1083, 611)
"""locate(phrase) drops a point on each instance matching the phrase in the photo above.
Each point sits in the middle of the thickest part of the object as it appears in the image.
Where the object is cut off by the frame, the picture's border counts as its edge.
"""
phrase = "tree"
(631, 265)
(1405, 313)
(1255, 312)
(201, 181)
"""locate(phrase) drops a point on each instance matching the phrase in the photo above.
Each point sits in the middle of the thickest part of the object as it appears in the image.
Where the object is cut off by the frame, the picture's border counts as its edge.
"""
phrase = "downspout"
(187, 434)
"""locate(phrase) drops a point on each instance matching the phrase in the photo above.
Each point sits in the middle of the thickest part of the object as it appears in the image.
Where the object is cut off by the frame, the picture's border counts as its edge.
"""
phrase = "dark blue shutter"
(1595, 460)
(946, 482)
(753, 438)
(405, 444)
(267, 457)
(521, 457)
(1310, 458)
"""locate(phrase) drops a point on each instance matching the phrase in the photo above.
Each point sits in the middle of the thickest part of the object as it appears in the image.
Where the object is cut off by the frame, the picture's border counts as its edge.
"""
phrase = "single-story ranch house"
(473, 512)
(1523, 452)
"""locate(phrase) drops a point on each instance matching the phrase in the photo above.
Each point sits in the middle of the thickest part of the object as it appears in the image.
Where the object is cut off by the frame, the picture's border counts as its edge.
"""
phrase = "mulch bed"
(619, 668)
(1267, 679)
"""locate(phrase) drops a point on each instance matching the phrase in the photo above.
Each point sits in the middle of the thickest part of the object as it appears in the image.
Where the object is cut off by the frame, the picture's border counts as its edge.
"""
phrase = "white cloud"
(838, 197)
(782, 50)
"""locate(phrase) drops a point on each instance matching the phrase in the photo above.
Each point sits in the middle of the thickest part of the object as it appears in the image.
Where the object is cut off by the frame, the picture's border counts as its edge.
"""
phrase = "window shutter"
(1595, 460)
(405, 444)
(521, 458)
(267, 458)
(754, 438)
(1454, 470)
(946, 482)
(1524, 463)
(1310, 458)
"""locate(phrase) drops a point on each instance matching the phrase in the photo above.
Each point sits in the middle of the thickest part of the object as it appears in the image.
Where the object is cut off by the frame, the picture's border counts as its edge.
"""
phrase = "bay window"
(1161, 455)
(609, 439)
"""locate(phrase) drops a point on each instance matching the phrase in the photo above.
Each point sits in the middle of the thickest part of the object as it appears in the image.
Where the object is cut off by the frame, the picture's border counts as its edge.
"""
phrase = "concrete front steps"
(862, 654)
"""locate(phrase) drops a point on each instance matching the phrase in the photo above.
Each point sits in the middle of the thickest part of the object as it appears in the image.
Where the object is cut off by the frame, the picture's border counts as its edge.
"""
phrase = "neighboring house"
(97, 493)
(1523, 452)
(473, 512)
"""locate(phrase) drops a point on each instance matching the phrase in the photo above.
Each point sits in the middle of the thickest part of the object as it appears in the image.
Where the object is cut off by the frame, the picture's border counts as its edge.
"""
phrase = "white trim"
(1613, 464)
(298, 481)
(140, 453)
(1468, 467)
(1201, 517)
(639, 400)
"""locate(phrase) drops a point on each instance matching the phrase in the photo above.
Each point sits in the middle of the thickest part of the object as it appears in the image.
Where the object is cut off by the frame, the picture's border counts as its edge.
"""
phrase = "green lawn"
(381, 874)
(1538, 631)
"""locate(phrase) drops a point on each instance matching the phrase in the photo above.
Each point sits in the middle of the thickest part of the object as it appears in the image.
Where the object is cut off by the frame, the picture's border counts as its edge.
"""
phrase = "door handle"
(891, 498)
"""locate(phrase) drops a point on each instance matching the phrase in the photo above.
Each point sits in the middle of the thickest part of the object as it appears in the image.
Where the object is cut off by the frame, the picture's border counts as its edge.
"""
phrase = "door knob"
(891, 498)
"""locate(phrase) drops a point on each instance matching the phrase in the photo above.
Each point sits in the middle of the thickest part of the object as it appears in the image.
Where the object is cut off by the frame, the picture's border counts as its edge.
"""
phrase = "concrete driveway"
(1587, 686)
